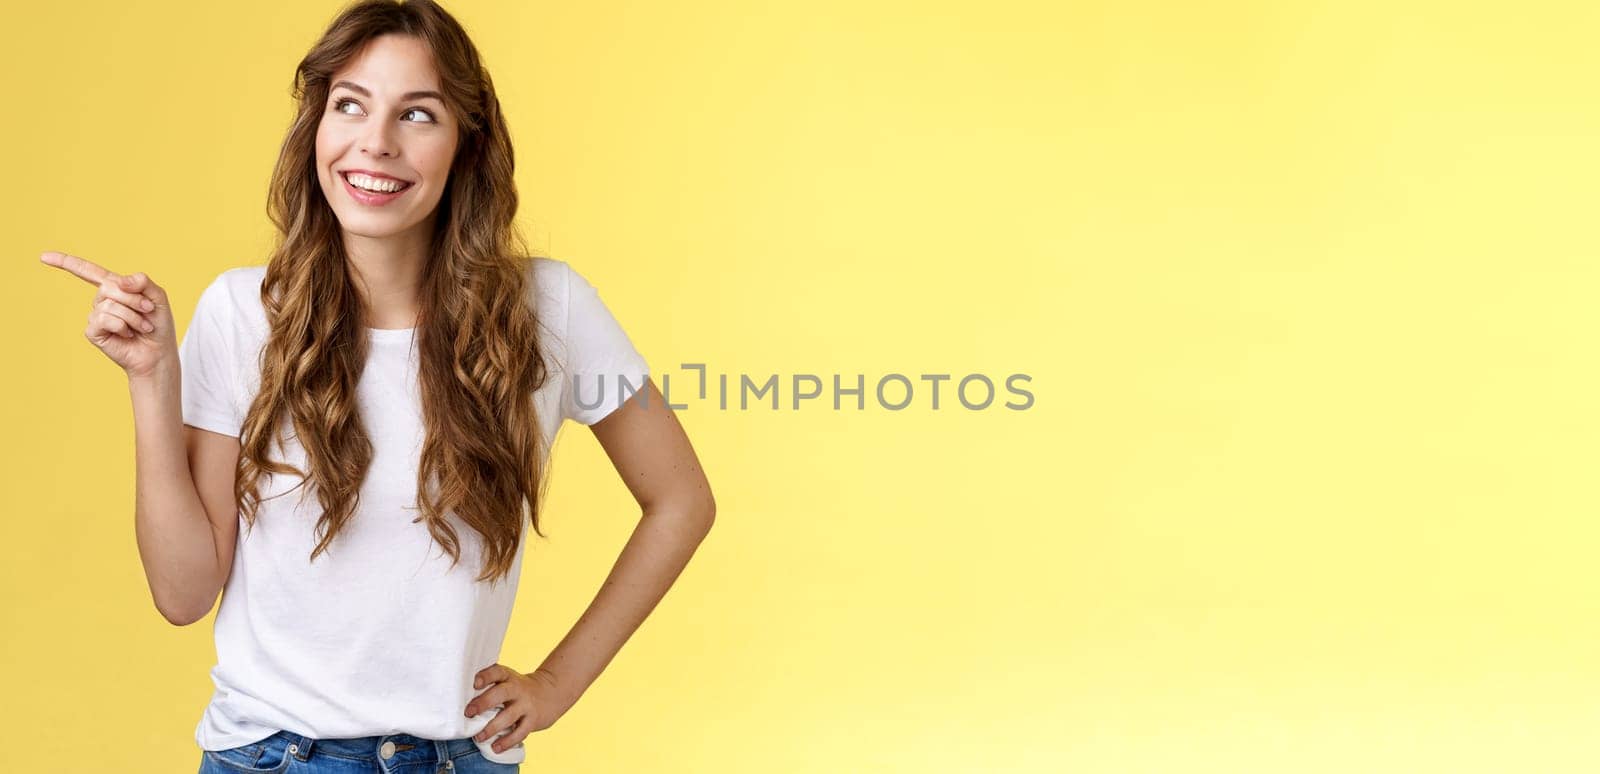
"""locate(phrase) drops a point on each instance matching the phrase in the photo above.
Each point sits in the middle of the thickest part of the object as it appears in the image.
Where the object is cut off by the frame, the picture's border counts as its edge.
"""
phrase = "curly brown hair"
(478, 338)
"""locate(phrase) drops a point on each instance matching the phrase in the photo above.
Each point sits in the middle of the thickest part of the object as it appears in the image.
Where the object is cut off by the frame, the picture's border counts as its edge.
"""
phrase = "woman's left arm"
(653, 456)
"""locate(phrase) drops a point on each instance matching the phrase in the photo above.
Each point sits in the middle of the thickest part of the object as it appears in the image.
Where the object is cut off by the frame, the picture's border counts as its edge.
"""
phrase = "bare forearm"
(655, 555)
(176, 542)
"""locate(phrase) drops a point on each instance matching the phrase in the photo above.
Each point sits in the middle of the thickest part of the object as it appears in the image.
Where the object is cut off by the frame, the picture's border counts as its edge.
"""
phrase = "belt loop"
(302, 746)
(445, 764)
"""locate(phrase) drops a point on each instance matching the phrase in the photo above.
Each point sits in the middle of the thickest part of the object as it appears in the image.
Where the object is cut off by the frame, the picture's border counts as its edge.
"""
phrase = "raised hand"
(130, 319)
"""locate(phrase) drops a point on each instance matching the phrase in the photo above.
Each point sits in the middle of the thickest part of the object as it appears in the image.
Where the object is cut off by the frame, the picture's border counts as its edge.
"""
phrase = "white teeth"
(374, 184)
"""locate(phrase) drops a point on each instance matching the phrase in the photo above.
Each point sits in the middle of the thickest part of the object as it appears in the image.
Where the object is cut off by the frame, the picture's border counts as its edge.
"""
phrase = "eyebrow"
(410, 95)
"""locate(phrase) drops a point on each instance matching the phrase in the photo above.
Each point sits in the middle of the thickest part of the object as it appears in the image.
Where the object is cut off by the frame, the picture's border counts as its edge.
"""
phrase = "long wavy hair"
(480, 359)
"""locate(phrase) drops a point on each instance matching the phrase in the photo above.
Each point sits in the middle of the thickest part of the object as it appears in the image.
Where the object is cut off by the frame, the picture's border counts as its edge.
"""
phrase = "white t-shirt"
(379, 635)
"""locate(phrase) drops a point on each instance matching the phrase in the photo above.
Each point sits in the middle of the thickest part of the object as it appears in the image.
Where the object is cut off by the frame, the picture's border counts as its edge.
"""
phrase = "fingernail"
(148, 327)
(148, 306)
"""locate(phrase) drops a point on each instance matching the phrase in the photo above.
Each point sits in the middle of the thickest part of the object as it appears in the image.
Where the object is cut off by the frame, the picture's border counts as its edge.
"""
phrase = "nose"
(377, 141)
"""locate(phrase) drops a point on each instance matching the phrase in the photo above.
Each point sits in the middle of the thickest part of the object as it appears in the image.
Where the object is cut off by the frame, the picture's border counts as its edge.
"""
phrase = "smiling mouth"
(375, 191)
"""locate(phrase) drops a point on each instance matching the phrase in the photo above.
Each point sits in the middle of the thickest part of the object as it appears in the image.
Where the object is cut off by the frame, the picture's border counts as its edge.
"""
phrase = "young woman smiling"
(401, 358)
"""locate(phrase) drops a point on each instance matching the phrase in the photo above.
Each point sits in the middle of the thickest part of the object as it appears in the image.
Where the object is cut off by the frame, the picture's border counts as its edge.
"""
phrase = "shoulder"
(551, 281)
(550, 268)
(232, 300)
(550, 278)
(239, 286)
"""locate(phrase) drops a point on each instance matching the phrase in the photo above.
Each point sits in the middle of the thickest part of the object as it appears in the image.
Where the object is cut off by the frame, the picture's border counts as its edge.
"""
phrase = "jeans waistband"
(402, 748)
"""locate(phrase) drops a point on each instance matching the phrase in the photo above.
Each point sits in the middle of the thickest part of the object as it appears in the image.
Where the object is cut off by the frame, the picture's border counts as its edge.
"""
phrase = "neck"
(387, 272)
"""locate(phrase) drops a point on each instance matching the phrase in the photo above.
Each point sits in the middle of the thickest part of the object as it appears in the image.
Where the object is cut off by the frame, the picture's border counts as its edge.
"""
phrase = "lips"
(368, 197)
(373, 173)
(348, 173)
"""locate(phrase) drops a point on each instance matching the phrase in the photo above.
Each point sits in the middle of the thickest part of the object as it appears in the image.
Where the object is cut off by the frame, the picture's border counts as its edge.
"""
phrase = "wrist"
(558, 688)
(165, 372)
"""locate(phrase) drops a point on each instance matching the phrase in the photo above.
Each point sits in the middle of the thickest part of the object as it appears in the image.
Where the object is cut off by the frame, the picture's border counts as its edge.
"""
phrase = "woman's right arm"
(185, 519)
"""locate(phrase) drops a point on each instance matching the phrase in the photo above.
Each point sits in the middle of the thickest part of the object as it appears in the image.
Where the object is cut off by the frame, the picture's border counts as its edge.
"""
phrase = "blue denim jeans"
(287, 751)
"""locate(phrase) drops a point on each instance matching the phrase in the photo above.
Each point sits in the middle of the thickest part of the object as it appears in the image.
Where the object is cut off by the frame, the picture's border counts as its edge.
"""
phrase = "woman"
(398, 358)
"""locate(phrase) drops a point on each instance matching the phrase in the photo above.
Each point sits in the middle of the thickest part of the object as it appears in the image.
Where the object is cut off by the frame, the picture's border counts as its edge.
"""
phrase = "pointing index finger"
(88, 271)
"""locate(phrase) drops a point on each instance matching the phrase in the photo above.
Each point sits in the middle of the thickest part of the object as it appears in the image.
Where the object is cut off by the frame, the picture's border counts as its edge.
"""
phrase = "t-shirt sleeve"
(207, 360)
(603, 369)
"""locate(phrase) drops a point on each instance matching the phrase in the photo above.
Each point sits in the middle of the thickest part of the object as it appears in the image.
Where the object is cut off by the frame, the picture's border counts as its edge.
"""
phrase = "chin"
(369, 233)
(365, 227)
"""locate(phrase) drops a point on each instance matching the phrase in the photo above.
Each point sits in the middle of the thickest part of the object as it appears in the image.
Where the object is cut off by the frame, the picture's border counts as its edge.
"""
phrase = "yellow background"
(1306, 291)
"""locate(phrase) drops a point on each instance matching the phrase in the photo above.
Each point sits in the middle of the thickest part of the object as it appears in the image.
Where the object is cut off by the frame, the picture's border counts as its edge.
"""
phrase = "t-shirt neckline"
(390, 334)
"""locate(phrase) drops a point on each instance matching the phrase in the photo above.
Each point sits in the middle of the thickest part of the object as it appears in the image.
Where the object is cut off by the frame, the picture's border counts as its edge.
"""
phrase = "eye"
(424, 112)
(338, 107)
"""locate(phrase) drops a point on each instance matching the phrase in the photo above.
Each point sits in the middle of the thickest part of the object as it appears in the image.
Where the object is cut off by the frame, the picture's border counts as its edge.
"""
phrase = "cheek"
(331, 144)
(435, 159)
(324, 156)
